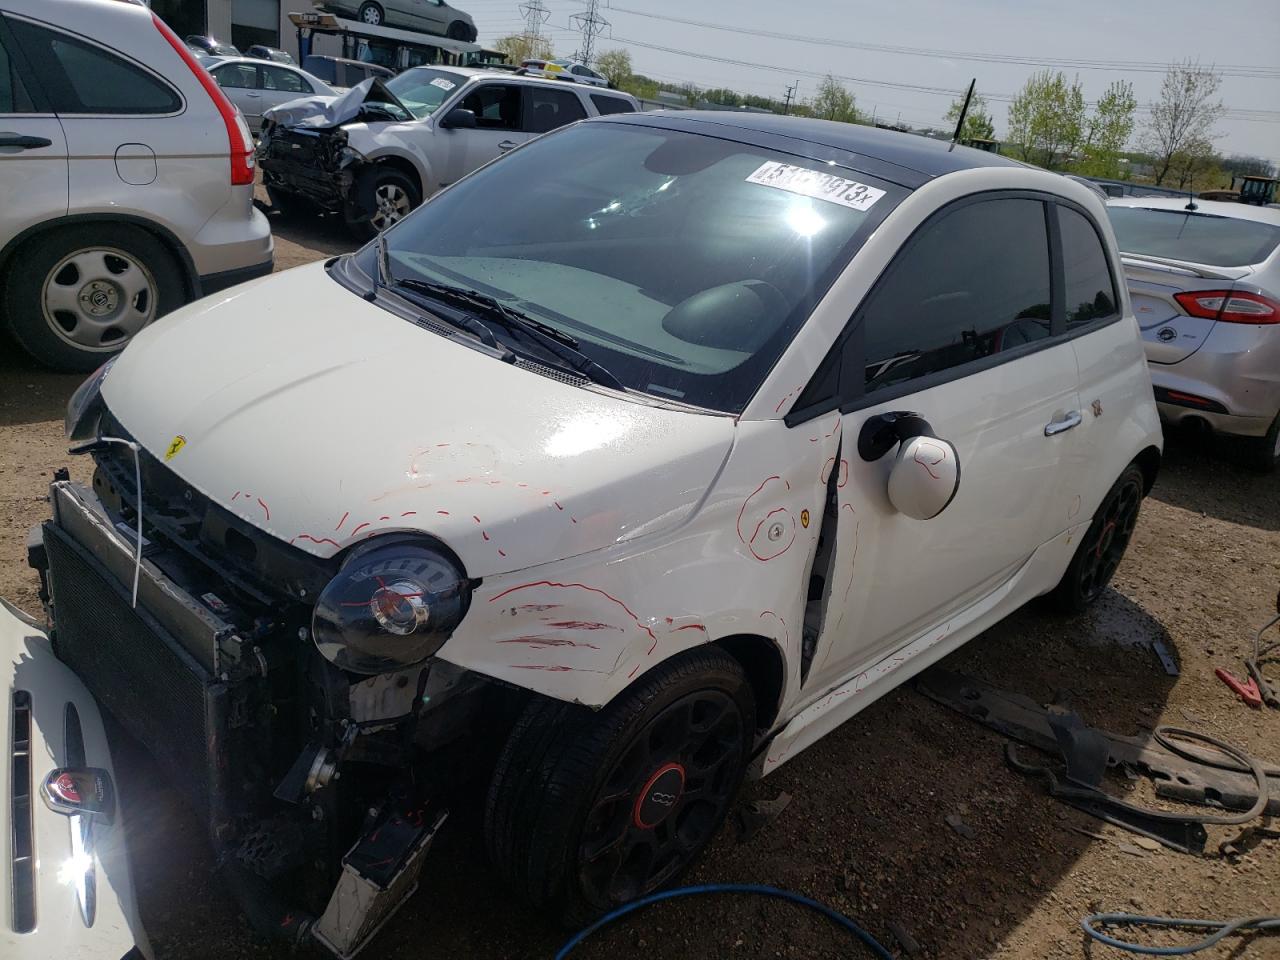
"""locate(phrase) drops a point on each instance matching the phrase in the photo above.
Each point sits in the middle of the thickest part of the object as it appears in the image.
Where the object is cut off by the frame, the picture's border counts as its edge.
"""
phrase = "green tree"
(615, 66)
(1109, 128)
(834, 102)
(520, 47)
(977, 122)
(1184, 116)
(1195, 166)
(1046, 119)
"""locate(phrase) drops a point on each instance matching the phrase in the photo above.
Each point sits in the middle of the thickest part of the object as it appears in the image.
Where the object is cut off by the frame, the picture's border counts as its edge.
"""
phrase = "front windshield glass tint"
(682, 263)
(422, 89)
(1193, 237)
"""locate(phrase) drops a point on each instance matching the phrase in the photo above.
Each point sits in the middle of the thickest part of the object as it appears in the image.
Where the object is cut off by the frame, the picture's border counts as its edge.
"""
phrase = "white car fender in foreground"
(60, 930)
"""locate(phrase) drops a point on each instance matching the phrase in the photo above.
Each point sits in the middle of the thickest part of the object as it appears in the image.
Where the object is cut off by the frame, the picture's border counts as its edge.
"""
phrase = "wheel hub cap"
(659, 796)
(100, 298)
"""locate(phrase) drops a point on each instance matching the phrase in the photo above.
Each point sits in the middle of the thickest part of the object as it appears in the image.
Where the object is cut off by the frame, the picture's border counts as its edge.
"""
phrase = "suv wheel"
(1103, 546)
(386, 197)
(588, 810)
(77, 295)
(371, 14)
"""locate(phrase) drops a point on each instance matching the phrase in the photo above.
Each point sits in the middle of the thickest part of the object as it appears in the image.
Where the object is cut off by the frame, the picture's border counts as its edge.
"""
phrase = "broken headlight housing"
(393, 604)
(85, 406)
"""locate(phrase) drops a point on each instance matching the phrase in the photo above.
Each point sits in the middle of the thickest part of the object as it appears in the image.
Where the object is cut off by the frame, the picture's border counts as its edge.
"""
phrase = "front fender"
(393, 142)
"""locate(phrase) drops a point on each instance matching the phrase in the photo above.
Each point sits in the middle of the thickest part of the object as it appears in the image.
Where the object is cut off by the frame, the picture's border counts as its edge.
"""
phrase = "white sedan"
(255, 86)
(563, 70)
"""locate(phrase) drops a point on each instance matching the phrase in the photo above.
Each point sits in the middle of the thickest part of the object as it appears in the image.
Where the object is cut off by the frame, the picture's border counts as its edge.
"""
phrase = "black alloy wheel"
(1104, 544)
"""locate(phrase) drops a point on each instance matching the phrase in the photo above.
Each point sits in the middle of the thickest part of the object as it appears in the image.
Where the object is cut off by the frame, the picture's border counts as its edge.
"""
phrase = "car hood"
(323, 420)
(323, 112)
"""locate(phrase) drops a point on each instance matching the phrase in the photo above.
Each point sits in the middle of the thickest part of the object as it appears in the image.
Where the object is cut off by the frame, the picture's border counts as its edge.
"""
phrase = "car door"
(33, 149)
(547, 108)
(961, 330)
(280, 85)
(242, 83)
(499, 109)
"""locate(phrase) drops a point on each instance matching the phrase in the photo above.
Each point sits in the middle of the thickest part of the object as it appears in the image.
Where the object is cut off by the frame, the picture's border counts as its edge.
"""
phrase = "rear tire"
(371, 14)
(1102, 546)
(384, 196)
(588, 810)
(1264, 452)
(74, 297)
(459, 31)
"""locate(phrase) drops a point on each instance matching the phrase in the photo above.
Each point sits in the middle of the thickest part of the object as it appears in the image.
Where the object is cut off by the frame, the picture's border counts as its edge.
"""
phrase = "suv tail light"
(239, 139)
(1231, 306)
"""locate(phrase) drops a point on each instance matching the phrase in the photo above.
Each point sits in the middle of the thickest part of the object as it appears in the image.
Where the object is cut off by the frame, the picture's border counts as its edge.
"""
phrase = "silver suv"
(126, 179)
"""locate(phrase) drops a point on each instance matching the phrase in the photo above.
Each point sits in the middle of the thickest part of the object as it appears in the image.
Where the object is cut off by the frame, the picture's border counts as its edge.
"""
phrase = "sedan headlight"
(85, 405)
(393, 604)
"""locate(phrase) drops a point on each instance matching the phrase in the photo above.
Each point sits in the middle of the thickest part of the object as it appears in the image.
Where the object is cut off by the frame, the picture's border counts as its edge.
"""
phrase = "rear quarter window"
(80, 78)
(1194, 237)
(1089, 291)
(607, 105)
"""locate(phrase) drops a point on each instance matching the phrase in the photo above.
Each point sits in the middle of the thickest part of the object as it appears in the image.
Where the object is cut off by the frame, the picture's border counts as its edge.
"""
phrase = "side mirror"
(926, 472)
(458, 118)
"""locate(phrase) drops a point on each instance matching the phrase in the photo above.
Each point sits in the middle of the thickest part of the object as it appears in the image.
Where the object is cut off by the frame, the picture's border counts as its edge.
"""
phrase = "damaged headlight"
(85, 406)
(392, 605)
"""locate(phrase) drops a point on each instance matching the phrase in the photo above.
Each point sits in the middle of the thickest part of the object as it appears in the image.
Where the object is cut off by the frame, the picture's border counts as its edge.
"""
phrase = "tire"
(1102, 546)
(1263, 453)
(371, 14)
(569, 780)
(458, 31)
(384, 197)
(76, 296)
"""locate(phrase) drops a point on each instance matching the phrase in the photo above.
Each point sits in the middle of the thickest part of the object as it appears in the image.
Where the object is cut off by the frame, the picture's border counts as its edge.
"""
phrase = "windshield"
(1193, 237)
(423, 89)
(683, 264)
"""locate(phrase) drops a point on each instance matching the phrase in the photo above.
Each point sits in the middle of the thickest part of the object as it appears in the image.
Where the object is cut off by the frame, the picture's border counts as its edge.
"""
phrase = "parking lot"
(867, 827)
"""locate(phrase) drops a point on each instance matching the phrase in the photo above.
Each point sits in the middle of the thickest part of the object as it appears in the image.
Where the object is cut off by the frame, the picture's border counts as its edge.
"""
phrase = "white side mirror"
(924, 478)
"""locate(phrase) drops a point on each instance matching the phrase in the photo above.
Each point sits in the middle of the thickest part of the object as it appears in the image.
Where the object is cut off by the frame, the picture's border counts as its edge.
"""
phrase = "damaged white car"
(626, 467)
(374, 153)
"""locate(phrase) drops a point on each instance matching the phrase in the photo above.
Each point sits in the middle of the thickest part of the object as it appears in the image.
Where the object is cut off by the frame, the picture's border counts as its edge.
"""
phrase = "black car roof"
(904, 158)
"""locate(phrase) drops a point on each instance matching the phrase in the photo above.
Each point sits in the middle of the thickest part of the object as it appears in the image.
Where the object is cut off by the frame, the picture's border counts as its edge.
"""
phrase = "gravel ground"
(866, 831)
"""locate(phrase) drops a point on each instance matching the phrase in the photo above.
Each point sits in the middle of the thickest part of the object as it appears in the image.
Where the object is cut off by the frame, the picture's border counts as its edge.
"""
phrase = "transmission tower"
(535, 15)
(592, 25)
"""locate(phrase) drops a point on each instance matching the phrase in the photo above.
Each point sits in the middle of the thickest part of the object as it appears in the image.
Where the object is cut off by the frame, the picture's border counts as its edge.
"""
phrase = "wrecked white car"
(374, 153)
(627, 466)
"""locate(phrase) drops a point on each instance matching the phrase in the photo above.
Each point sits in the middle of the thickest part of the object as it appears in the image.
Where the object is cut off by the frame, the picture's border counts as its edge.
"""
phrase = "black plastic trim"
(213, 282)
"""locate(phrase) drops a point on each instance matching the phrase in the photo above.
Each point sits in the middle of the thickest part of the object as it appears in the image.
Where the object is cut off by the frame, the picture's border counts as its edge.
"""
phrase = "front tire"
(371, 13)
(459, 31)
(385, 197)
(1103, 545)
(588, 810)
(76, 296)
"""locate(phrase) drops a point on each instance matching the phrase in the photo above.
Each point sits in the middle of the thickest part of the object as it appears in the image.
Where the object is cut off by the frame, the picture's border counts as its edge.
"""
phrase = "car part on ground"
(1179, 771)
(753, 889)
(67, 886)
(1256, 690)
(107, 226)
(322, 647)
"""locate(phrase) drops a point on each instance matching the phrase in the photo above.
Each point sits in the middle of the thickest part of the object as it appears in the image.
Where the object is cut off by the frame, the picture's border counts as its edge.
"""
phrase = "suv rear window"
(1193, 237)
(78, 77)
(607, 105)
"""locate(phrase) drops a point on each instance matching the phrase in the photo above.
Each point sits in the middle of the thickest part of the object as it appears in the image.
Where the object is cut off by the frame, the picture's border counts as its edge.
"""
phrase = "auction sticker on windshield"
(443, 84)
(813, 183)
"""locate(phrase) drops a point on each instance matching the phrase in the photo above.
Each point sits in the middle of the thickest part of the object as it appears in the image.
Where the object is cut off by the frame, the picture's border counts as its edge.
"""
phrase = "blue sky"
(1245, 33)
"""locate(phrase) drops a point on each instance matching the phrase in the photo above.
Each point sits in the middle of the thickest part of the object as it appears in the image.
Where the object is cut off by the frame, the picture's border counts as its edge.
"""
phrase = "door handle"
(254, 96)
(1069, 421)
(23, 142)
(506, 145)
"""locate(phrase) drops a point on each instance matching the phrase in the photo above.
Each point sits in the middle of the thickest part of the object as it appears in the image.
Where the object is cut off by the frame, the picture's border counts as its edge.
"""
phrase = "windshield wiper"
(386, 280)
(554, 341)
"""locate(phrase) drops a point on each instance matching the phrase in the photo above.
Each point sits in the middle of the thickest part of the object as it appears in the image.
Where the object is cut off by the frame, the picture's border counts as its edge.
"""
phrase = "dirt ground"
(866, 831)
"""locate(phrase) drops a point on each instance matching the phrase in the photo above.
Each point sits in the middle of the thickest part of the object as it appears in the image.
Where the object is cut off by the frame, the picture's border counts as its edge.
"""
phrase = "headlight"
(392, 605)
(85, 405)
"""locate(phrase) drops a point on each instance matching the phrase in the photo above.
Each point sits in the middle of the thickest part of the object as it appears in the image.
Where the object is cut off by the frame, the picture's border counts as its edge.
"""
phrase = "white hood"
(324, 419)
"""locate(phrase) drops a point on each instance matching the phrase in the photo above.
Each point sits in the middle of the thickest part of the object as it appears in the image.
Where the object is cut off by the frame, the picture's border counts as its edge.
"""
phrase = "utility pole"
(535, 15)
(592, 25)
(791, 92)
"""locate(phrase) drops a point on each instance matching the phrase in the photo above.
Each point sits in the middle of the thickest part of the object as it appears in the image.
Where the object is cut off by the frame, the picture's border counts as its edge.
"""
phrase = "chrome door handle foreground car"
(23, 142)
(506, 145)
(1068, 421)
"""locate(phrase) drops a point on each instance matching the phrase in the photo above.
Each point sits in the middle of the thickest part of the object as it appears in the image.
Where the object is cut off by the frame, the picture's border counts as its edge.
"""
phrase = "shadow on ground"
(1205, 474)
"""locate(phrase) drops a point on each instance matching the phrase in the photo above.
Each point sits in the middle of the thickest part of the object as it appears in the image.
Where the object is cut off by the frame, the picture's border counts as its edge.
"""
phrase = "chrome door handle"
(1053, 427)
(506, 145)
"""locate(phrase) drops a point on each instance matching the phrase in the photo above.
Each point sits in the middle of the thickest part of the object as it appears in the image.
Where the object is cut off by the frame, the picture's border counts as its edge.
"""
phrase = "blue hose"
(1220, 928)
(755, 888)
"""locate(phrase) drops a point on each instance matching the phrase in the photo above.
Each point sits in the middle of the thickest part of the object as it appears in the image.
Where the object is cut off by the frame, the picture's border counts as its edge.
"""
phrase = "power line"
(1076, 63)
(592, 25)
(535, 15)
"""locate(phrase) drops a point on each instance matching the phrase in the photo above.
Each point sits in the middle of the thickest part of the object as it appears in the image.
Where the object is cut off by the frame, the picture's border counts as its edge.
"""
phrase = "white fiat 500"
(629, 465)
